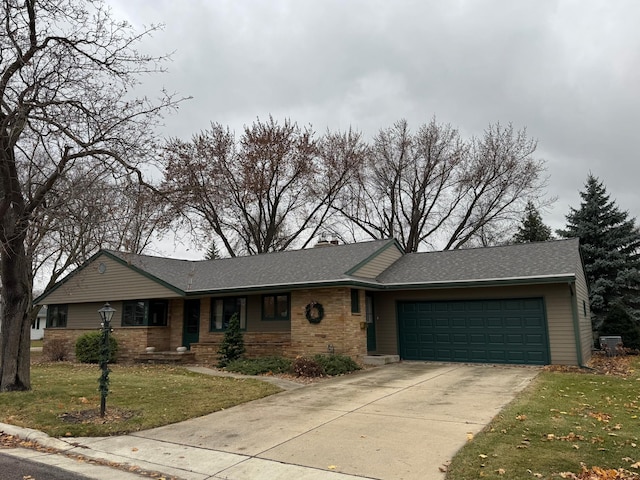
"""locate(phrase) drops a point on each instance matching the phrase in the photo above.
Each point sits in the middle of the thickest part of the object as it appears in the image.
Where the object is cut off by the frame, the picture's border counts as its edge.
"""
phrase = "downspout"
(576, 324)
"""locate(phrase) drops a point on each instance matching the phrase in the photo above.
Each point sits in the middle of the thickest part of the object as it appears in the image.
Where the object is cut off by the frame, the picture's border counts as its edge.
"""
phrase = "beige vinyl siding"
(557, 299)
(85, 315)
(119, 282)
(378, 264)
(584, 319)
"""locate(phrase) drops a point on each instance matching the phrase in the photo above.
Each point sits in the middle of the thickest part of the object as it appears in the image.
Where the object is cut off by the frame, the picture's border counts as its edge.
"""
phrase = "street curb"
(36, 436)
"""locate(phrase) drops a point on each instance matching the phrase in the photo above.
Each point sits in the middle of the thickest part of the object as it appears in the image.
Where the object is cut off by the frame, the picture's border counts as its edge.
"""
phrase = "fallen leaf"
(134, 449)
(482, 456)
(469, 436)
(331, 467)
(501, 471)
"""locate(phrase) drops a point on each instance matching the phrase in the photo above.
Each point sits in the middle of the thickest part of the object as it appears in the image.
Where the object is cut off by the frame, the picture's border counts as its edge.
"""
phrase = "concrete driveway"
(398, 421)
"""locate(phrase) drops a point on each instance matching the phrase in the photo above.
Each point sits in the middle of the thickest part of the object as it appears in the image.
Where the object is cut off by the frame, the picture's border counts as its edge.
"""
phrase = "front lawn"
(561, 420)
(64, 399)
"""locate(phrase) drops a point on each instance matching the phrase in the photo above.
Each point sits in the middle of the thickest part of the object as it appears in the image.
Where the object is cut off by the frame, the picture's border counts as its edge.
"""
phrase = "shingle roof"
(308, 266)
(532, 261)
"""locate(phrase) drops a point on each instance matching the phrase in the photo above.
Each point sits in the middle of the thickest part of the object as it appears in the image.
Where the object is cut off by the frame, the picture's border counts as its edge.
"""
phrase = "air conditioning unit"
(612, 345)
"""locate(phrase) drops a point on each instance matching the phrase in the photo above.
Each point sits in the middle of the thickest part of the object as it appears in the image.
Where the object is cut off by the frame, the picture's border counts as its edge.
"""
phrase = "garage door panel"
(496, 331)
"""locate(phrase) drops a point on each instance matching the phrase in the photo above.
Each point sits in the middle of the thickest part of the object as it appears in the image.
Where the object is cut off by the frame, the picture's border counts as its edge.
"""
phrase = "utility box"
(612, 345)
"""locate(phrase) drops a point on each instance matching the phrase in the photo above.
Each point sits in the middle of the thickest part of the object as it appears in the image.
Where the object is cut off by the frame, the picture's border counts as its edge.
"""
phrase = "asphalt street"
(21, 469)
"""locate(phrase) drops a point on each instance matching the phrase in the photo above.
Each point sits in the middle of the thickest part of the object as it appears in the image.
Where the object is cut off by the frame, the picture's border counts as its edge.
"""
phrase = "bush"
(88, 348)
(56, 350)
(336, 364)
(232, 346)
(619, 322)
(307, 367)
(259, 366)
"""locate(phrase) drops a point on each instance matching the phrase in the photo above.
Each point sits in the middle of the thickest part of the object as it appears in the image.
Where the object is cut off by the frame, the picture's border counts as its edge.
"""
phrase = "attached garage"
(511, 331)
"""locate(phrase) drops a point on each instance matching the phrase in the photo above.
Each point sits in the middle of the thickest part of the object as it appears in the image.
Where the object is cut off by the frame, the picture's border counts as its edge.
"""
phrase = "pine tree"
(212, 252)
(532, 228)
(610, 246)
(232, 346)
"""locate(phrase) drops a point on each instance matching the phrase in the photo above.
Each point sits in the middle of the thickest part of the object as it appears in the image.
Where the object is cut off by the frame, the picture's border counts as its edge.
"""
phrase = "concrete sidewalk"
(395, 421)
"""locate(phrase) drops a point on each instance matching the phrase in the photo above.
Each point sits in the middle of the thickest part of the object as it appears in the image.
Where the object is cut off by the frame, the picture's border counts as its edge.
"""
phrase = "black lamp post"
(106, 314)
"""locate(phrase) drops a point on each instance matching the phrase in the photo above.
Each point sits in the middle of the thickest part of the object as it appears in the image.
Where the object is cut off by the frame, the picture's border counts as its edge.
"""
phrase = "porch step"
(380, 359)
(166, 357)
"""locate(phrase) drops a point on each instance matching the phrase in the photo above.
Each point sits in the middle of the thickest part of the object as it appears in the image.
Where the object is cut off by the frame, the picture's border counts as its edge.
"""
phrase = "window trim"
(275, 318)
(212, 312)
(147, 313)
(58, 309)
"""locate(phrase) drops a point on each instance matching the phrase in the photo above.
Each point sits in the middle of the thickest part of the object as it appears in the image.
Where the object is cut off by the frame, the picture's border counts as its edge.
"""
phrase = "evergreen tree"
(212, 252)
(532, 228)
(619, 322)
(232, 346)
(610, 246)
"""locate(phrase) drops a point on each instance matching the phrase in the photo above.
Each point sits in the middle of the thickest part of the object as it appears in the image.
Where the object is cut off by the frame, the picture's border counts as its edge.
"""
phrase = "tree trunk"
(15, 341)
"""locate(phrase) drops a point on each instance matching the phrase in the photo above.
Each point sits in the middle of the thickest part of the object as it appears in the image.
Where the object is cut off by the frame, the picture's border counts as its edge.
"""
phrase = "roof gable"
(105, 277)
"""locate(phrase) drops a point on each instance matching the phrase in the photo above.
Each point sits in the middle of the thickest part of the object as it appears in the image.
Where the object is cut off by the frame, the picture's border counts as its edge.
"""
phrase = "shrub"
(56, 350)
(307, 367)
(336, 364)
(232, 346)
(619, 322)
(88, 348)
(259, 366)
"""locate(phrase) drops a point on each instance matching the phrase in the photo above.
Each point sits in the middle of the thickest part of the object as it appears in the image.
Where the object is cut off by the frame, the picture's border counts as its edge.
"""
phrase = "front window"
(222, 309)
(140, 313)
(56, 316)
(275, 307)
(355, 300)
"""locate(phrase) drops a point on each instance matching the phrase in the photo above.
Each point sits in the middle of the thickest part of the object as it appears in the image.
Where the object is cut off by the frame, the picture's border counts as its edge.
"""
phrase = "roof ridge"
(509, 245)
(310, 249)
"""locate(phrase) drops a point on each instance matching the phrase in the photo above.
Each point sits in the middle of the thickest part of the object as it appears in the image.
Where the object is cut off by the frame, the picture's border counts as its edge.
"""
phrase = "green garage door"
(491, 331)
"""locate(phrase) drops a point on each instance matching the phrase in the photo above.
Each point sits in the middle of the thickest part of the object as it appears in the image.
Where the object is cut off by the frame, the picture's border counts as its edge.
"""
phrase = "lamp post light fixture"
(106, 314)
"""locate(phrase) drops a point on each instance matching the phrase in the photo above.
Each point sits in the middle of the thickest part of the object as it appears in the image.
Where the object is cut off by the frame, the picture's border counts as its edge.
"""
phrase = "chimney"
(326, 241)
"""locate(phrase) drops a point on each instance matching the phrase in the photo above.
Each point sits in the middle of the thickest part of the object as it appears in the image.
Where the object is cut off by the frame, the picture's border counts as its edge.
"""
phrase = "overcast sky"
(568, 71)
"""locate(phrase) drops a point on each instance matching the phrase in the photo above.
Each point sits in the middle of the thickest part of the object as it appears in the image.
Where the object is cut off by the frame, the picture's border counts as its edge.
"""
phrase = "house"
(515, 304)
(38, 323)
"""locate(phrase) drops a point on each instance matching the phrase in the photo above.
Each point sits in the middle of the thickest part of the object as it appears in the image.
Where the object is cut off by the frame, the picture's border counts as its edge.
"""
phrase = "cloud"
(566, 70)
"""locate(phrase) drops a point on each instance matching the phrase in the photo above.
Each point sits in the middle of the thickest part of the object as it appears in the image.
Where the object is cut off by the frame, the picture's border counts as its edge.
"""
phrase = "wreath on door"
(314, 312)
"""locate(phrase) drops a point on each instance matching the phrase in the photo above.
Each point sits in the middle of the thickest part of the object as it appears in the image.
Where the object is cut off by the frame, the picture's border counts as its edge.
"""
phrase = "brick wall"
(257, 344)
(339, 328)
(131, 340)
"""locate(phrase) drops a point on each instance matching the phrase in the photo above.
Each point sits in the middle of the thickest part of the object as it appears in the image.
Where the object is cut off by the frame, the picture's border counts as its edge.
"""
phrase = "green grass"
(559, 421)
(36, 343)
(156, 395)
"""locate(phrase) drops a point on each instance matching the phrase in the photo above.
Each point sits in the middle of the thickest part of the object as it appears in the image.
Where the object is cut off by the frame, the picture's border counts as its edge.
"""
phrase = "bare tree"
(432, 187)
(88, 210)
(67, 69)
(271, 189)
(405, 190)
(497, 178)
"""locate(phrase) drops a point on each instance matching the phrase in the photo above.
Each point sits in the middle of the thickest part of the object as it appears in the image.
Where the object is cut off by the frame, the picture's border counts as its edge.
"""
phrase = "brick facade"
(340, 331)
(131, 340)
(257, 344)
